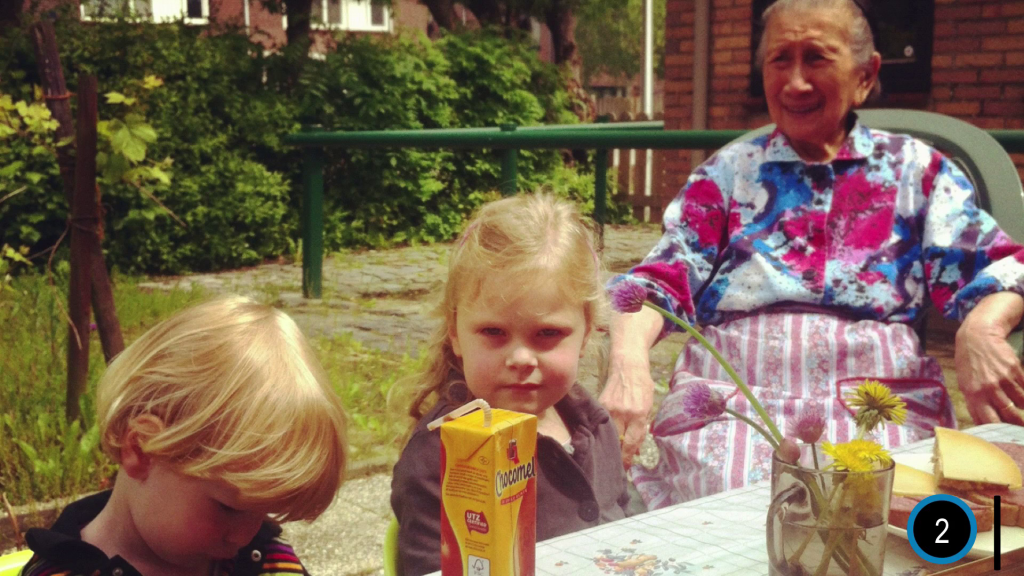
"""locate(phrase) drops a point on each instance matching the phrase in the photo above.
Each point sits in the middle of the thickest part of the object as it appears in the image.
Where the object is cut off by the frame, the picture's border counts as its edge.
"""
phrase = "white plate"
(984, 544)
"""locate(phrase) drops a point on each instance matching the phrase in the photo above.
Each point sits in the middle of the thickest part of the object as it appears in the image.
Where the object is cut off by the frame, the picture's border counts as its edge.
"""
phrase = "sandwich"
(910, 486)
(968, 463)
(976, 471)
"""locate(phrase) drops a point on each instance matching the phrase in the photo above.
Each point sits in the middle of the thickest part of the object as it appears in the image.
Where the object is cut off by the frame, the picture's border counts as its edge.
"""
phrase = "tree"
(10, 13)
(516, 14)
(611, 37)
(299, 13)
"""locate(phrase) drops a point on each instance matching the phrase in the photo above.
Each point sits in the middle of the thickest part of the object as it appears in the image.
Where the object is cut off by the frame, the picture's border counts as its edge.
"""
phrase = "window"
(192, 11)
(350, 15)
(904, 39)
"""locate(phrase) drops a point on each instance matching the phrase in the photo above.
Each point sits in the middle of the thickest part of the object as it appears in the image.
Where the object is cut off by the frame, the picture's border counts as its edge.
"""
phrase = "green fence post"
(600, 188)
(508, 166)
(312, 218)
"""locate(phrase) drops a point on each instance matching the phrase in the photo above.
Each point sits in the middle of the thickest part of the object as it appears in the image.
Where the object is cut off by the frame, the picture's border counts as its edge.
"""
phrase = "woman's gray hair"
(862, 43)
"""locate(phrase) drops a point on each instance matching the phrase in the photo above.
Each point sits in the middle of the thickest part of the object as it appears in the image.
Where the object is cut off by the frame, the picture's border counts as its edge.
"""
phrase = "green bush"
(233, 212)
(375, 197)
(503, 82)
(223, 110)
(32, 205)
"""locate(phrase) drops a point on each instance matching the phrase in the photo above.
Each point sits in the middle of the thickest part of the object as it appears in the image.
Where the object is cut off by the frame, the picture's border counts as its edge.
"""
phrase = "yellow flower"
(856, 455)
(876, 404)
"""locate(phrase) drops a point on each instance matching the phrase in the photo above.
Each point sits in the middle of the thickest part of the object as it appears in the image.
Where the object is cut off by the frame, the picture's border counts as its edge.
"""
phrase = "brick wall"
(977, 70)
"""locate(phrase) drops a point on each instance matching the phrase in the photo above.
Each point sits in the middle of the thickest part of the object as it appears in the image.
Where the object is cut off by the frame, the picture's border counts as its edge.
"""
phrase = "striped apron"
(788, 360)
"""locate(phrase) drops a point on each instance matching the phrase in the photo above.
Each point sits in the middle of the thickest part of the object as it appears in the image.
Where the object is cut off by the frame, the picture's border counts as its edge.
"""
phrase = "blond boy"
(221, 419)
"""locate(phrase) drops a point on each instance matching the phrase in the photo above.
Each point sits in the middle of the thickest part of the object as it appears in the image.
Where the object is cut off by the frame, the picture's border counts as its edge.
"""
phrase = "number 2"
(939, 540)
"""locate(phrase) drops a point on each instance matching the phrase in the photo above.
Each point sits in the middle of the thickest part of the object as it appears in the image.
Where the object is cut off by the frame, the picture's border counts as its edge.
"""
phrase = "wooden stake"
(85, 217)
(44, 40)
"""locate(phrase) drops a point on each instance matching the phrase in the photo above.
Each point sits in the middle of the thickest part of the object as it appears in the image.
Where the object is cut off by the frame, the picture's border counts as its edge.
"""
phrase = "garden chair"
(392, 564)
(996, 182)
(11, 564)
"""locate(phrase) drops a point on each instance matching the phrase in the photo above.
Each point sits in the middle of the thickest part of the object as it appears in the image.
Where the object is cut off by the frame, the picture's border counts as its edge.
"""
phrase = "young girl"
(219, 417)
(523, 295)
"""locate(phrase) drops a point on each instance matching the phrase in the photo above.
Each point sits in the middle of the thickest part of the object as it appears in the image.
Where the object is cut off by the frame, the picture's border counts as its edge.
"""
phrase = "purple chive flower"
(788, 451)
(809, 424)
(701, 402)
(628, 297)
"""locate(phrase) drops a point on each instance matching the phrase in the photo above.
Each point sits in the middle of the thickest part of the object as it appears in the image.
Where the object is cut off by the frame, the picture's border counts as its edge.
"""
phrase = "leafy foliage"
(207, 143)
(610, 35)
(31, 206)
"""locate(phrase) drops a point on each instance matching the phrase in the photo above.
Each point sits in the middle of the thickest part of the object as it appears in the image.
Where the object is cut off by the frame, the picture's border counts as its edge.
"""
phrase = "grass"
(364, 378)
(45, 458)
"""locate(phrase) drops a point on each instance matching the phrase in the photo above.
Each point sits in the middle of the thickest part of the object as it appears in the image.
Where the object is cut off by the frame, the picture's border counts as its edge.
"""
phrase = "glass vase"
(827, 522)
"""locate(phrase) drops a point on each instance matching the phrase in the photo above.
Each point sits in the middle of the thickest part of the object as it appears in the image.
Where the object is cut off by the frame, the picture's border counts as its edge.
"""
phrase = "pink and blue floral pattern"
(866, 235)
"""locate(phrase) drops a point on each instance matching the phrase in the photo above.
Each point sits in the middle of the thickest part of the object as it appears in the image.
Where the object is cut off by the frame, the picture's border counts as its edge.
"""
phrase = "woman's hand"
(629, 391)
(988, 370)
(629, 396)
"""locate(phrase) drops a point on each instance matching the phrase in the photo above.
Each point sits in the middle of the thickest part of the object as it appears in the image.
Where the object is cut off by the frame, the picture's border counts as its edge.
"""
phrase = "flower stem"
(826, 557)
(728, 368)
(814, 456)
(767, 435)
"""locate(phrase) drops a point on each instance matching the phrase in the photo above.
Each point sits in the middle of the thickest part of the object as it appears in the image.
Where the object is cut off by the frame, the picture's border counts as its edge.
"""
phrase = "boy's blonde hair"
(529, 238)
(242, 399)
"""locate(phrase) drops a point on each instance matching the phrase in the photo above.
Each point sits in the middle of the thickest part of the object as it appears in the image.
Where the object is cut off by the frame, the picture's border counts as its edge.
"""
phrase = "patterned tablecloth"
(719, 535)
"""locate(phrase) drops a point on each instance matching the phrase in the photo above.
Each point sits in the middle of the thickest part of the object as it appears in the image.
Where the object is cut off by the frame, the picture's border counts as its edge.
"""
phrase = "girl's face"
(189, 522)
(521, 352)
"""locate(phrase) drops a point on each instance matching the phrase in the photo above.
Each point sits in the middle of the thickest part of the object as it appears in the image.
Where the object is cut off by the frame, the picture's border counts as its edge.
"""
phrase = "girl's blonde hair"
(242, 399)
(529, 238)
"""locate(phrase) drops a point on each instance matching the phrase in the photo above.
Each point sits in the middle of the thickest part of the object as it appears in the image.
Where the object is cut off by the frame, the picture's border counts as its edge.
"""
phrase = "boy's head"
(230, 392)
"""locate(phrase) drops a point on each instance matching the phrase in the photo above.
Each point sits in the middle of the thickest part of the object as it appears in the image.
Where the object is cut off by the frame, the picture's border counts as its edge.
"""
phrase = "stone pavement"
(383, 297)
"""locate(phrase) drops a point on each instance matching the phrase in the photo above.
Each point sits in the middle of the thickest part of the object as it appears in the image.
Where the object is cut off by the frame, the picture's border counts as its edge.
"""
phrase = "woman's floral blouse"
(867, 235)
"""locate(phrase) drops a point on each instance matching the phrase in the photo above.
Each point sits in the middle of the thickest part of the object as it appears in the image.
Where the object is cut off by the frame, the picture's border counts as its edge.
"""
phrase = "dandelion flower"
(628, 297)
(809, 424)
(856, 455)
(876, 404)
(702, 402)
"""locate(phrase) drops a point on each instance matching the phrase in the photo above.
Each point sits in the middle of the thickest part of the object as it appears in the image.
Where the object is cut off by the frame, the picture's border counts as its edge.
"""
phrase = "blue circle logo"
(942, 529)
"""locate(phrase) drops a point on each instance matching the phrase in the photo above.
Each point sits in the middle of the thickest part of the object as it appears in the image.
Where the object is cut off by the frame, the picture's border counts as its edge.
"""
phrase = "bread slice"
(970, 464)
(1011, 502)
(900, 508)
(913, 483)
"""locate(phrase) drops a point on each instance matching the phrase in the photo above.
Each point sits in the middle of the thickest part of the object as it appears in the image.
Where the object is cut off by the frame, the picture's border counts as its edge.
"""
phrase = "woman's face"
(811, 80)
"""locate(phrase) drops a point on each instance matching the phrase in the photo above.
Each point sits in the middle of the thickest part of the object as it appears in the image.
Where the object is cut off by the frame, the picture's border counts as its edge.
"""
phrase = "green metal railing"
(508, 138)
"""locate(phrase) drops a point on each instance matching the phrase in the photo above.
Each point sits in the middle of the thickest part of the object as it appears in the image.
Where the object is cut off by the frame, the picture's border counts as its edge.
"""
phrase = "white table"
(718, 535)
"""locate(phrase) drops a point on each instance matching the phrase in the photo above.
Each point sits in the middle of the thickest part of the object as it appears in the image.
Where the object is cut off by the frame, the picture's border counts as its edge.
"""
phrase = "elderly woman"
(806, 255)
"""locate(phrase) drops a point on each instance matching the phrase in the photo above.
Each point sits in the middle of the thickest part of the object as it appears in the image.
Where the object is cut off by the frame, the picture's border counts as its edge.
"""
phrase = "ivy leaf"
(160, 175)
(14, 255)
(125, 142)
(118, 98)
(11, 169)
(150, 82)
(140, 128)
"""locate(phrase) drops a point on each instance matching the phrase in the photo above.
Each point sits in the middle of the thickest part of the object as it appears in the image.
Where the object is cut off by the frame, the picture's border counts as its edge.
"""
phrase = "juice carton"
(488, 493)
